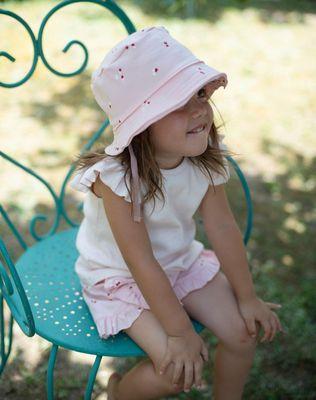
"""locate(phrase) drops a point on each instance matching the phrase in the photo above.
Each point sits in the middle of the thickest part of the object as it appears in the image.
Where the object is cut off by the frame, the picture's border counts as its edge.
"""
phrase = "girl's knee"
(240, 340)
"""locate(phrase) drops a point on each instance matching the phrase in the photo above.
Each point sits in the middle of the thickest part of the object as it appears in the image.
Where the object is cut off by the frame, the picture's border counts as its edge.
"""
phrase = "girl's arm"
(135, 246)
(224, 234)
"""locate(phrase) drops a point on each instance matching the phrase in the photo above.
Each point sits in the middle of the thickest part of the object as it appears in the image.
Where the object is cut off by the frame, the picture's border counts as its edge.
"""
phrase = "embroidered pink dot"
(133, 44)
(131, 287)
(122, 76)
(126, 47)
(120, 69)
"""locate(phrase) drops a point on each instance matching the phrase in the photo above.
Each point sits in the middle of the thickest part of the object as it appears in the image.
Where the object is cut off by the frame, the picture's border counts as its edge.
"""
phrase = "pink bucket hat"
(143, 78)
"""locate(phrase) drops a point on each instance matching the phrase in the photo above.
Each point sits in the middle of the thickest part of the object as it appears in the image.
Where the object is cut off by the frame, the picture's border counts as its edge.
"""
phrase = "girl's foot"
(113, 385)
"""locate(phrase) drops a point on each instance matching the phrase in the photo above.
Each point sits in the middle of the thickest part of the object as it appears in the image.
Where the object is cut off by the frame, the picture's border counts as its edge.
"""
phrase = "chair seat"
(60, 313)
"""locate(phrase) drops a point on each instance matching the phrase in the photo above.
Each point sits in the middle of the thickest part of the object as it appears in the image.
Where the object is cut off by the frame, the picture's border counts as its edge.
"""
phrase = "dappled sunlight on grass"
(267, 50)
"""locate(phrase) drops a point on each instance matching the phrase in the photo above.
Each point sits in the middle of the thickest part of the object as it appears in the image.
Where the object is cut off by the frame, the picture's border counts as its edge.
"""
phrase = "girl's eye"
(202, 92)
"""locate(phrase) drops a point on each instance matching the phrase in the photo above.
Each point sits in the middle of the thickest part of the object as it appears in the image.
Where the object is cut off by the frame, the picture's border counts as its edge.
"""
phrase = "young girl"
(141, 269)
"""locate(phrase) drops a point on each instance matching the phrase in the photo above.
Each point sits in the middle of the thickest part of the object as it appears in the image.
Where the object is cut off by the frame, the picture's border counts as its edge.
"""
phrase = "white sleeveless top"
(171, 227)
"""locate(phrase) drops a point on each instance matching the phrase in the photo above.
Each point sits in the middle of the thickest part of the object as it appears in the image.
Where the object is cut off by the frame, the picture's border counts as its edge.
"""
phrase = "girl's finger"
(164, 365)
(270, 330)
(274, 326)
(198, 368)
(267, 330)
(204, 353)
(279, 323)
(273, 305)
(178, 368)
(188, 376)
(251, 326)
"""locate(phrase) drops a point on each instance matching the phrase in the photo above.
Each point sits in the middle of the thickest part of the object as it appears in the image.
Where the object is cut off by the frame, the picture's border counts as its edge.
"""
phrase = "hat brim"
(176, 92)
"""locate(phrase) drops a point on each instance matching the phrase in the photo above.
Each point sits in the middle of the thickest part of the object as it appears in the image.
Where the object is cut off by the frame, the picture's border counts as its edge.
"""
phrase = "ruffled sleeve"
(218, 179)
(111, 174)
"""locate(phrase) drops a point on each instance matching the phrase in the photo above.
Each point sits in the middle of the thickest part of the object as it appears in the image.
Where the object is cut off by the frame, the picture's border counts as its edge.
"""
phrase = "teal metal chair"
(41, 289)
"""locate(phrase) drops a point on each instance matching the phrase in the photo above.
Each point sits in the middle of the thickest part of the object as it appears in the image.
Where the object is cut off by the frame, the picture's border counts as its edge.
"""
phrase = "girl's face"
(170, 135)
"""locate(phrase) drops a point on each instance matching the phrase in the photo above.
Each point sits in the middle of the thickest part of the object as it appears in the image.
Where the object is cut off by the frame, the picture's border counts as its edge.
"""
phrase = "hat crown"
(149, 56)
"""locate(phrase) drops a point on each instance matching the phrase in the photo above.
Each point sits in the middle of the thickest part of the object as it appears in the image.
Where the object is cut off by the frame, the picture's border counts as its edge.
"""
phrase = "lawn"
(267, 49)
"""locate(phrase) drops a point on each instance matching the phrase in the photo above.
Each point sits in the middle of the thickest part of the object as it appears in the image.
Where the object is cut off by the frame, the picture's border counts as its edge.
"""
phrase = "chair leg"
(4, 355)
(50, 372)
(92, 376)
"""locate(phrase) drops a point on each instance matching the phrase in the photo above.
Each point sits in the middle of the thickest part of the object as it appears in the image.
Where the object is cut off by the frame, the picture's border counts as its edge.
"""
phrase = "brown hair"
(148, 169)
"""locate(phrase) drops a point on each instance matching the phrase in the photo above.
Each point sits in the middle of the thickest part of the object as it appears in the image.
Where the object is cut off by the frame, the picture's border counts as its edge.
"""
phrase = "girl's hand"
(255, 309)
(187, 352)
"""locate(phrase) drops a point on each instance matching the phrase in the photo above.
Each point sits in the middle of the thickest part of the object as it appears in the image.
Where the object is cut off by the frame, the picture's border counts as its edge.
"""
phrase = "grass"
(267, 50)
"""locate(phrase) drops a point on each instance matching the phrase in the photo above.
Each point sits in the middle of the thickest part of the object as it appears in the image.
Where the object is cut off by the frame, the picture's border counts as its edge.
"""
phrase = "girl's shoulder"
(111, 172)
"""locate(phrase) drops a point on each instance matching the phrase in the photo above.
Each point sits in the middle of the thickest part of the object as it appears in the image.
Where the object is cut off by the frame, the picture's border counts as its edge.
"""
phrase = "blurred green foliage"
(276, 127)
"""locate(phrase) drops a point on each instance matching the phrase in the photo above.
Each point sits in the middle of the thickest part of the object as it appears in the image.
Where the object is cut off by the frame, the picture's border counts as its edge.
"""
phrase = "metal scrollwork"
(60, 210)
(22, 312)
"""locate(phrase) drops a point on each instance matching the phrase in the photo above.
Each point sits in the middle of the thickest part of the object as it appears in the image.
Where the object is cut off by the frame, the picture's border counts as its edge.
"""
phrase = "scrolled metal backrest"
(60, 210)
(10, 283)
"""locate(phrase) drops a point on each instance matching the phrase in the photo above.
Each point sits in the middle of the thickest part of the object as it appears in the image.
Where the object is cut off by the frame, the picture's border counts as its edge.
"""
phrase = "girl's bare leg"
(142, 382)
(216, 307)
(139, 383)
(231, 372)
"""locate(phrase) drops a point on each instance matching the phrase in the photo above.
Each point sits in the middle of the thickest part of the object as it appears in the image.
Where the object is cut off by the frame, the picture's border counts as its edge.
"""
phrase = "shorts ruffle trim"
(123, 296)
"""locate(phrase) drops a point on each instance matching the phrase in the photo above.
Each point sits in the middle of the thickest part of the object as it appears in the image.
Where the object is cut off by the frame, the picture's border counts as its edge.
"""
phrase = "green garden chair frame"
(41, 289)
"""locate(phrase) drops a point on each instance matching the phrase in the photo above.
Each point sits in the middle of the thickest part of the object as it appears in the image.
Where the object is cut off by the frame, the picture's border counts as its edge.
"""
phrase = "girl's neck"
(169, 164)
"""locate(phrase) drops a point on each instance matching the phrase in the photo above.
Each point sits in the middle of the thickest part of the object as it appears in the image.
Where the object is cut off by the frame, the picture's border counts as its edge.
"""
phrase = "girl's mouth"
(197, 131)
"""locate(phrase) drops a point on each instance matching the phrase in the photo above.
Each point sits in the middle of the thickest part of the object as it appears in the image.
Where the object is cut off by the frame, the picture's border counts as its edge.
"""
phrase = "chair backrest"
(11, 288)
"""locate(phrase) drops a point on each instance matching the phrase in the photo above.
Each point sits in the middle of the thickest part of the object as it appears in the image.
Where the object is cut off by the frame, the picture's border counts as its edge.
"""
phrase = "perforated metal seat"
(60, 313)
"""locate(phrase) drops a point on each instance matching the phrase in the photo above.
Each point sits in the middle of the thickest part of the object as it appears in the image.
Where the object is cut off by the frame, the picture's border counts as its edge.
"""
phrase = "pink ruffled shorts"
(116, 302)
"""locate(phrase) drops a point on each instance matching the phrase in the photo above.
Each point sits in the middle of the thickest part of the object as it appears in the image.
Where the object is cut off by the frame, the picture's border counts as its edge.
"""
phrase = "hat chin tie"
(135, 186)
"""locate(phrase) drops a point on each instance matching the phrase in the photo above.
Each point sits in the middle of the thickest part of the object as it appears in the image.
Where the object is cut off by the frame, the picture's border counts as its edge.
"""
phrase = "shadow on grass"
(269, 11)
(77, 97)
